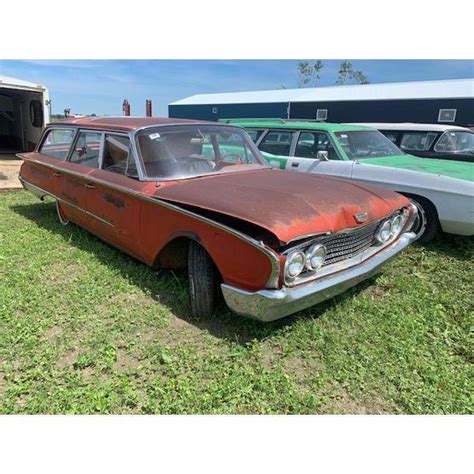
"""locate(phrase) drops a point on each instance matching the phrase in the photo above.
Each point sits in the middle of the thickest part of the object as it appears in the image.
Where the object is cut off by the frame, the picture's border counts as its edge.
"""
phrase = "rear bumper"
(268, 305)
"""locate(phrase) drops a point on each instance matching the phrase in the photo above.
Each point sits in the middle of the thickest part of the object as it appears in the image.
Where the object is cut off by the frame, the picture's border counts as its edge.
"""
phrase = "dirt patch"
(68, 359)
(343, 403)
(377, 292)
(60, 273)
(125, 361)
(52, 333)
(9, 169)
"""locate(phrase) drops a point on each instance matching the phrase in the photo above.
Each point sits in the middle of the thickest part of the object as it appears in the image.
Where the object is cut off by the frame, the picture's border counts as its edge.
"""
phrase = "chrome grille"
(346, 245)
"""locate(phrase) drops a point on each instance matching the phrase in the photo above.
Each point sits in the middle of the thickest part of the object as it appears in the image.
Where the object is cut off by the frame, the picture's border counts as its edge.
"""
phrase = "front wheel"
(426, 224)
(202, 281)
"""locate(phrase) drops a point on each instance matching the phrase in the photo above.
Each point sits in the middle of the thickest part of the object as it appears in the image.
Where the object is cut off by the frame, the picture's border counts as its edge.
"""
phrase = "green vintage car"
(442, 190)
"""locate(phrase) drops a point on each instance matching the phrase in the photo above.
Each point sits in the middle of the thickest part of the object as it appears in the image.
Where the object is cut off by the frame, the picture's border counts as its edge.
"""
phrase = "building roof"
(13, 83)
(453, 88)
(295, 124)
(419, 127)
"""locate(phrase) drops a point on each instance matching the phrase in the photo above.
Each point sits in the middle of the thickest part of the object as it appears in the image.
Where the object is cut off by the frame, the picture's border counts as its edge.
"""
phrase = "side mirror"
(322, 155)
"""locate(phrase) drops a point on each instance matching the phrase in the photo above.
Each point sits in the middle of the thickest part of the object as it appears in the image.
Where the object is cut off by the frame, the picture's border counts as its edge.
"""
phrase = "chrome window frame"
(267, 131)
(441, 137)
(141, 166)
(300, 131)
(74, 143)
(46, 132)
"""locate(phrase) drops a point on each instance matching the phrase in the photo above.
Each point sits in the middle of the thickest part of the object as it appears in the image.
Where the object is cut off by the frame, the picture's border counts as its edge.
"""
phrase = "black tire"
(202, 281)
(426, 225)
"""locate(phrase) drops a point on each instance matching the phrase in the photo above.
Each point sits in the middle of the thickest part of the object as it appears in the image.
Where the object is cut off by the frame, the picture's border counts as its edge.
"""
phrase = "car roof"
(299, 124)
(409, 126)
(126, 124)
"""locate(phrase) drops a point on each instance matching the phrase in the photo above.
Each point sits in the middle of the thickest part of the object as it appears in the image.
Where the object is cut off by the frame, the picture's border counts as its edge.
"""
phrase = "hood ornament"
(361, 217)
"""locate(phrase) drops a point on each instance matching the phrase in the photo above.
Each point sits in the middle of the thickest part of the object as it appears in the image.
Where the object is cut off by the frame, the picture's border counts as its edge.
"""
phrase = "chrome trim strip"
(271, 254)
(37, 191)
(269, 305)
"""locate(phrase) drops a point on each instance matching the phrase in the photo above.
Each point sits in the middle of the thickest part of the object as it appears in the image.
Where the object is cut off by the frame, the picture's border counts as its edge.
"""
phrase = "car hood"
(450, 168)
(289, 205)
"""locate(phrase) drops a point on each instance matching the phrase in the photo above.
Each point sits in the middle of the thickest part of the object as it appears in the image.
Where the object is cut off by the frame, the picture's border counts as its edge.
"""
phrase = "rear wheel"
(202, 281)
(61, 217)
(426, 224)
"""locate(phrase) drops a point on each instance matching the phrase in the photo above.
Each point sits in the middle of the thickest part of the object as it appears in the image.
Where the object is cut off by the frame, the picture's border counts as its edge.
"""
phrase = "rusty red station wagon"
(193, 195)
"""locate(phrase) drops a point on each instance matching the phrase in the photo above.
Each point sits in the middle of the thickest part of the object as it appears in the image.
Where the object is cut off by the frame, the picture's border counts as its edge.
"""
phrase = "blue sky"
(98, 86)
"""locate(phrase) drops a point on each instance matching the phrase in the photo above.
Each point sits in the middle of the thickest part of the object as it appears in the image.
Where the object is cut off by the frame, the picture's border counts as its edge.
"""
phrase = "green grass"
(86, 329)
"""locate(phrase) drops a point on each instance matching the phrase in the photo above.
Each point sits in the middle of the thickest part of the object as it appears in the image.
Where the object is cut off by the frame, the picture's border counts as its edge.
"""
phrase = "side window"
(310, 143)
(277, 143)
(117, 157)
(417, 141)
(255, 134)
(57, 143)
(87, 149)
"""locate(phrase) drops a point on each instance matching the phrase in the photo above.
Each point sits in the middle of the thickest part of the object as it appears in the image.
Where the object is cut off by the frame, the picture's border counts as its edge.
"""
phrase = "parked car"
(442, 191)
(196, 195)
(444, 142)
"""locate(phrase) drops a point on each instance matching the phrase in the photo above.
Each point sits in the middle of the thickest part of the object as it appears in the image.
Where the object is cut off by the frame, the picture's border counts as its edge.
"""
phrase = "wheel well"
(174, 255)
(422, 200)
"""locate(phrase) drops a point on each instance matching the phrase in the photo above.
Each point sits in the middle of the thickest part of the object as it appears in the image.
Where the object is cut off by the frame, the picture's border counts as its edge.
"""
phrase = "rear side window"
(255, 134)
(277, 143)
(417, 141)
(309, 144)
(87, 149)
(57, 143)
(117, 156)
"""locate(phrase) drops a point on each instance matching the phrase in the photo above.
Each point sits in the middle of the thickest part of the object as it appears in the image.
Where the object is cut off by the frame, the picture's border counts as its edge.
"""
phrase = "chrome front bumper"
(268, 305)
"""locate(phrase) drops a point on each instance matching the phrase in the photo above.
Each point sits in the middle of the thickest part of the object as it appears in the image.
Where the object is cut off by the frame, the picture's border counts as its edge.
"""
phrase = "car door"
(111, 194)
(41, 170)
(276, 146)
(72, 191)
(310, 146)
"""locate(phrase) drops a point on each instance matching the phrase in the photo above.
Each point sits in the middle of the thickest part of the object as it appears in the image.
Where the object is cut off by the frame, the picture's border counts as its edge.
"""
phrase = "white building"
(24, 111)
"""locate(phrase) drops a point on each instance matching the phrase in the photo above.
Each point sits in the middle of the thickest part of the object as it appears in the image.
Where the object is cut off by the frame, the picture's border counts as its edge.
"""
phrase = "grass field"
(86, 329)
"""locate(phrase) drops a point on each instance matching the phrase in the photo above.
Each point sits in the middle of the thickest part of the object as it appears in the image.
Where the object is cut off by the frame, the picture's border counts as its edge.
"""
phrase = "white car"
(442, 190)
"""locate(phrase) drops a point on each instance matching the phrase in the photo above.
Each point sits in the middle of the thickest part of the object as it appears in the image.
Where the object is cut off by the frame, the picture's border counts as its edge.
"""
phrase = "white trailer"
(24, 112)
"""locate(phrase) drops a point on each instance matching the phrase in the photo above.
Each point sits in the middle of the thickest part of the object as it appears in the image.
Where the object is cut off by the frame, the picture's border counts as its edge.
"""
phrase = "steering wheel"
(223, 161)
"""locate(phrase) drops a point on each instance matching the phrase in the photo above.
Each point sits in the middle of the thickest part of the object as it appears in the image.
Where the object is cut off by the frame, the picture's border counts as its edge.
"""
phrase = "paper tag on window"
(154, 136)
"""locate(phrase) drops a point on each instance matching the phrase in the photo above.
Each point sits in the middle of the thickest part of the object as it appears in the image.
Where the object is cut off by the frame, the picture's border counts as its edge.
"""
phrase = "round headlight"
(315, 256)
(384, 232)
(397, 224)
(294, 265)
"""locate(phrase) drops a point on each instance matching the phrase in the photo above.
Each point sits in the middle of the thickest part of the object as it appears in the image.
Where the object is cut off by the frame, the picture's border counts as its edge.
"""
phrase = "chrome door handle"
(90, 186)
(295, 165)
(58, 175)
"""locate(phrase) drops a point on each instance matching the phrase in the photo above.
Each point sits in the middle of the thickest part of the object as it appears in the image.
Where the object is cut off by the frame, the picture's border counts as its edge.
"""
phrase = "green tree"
(347, 75)
(309, 75)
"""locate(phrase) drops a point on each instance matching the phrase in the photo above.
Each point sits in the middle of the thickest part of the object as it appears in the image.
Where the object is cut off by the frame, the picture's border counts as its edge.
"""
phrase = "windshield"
(366, 144)
(456, 142)
(185, 151)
